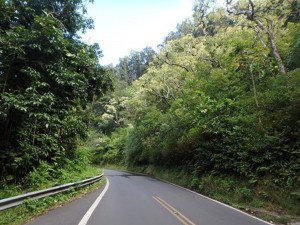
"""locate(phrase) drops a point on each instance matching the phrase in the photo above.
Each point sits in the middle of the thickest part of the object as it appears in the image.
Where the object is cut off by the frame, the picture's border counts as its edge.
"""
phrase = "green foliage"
(213, 104)
(233, 116)
(47, 78)
(39, 175)
(110, 149)
(33, 208)
(9, 190)
(82, 158)
(131, 67)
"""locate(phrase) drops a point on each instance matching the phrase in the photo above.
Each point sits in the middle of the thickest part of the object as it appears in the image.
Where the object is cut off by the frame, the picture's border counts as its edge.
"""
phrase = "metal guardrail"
(18, 200)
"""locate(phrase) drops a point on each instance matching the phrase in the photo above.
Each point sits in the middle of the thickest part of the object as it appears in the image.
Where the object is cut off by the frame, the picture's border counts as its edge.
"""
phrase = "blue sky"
(124, 25)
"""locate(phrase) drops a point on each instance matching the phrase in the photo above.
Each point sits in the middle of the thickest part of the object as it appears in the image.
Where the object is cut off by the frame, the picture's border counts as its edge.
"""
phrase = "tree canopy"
(220, 98)
(47, 77)
(213, 100)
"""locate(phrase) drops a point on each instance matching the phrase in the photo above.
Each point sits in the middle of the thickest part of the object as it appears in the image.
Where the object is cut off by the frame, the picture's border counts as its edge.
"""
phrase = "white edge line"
(89, 213)
(221, 203)
(203, 196)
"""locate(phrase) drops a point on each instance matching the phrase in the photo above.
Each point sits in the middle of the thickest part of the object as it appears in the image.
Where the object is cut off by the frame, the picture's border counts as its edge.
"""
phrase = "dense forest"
(220, 98)
(48, 76)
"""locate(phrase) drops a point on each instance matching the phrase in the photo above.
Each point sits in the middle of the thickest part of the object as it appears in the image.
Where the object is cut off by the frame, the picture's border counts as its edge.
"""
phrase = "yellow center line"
(183, 219)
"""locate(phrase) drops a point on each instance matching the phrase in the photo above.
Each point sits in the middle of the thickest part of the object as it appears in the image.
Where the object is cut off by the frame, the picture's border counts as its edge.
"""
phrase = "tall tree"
(265, 15)
(47, 76)
(131, 67)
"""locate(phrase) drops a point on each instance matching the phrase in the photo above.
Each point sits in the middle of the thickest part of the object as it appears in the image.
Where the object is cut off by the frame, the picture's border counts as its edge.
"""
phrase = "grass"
(32, 208)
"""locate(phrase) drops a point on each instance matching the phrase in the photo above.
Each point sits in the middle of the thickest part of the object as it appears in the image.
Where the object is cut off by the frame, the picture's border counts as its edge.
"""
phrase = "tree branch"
(173, 64)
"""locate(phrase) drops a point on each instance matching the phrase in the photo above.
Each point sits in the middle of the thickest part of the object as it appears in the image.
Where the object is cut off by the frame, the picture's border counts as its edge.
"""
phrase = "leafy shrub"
(40, 175)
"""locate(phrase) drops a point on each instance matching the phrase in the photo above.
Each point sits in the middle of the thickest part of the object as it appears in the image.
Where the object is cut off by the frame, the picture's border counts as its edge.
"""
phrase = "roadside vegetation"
(46, 176)
(33, 208)
(48, 77)
(216, 110)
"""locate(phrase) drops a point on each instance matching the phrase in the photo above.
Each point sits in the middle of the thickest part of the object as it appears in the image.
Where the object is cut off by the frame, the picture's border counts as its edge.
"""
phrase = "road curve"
(132, 199)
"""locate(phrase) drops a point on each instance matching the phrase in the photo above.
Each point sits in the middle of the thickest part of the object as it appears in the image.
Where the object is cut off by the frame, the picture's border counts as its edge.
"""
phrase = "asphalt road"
(132, 199)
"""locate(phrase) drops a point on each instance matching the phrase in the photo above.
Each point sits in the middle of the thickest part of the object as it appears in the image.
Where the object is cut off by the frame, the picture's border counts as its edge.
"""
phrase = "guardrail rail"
(18, 200)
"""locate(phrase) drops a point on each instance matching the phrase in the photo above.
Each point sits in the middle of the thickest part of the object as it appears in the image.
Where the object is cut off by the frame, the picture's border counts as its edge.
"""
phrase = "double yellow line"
(183, 219)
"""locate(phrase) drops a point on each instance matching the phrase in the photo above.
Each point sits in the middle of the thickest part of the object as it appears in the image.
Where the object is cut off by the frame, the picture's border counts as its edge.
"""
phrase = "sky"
(125, 25)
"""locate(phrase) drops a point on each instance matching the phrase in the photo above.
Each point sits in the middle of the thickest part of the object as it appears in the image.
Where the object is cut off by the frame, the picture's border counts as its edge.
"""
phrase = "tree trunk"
(272, 45)
(253, 85)
(34, 132)
(277, 56)
(254, 90)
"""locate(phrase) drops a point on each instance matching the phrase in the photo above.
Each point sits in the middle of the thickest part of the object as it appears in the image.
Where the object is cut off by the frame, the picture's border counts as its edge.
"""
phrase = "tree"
(71, 14)
(257, 13)
(212, 104)
(47, 77)
(182, 29)
(131, 67)
(201, 10)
